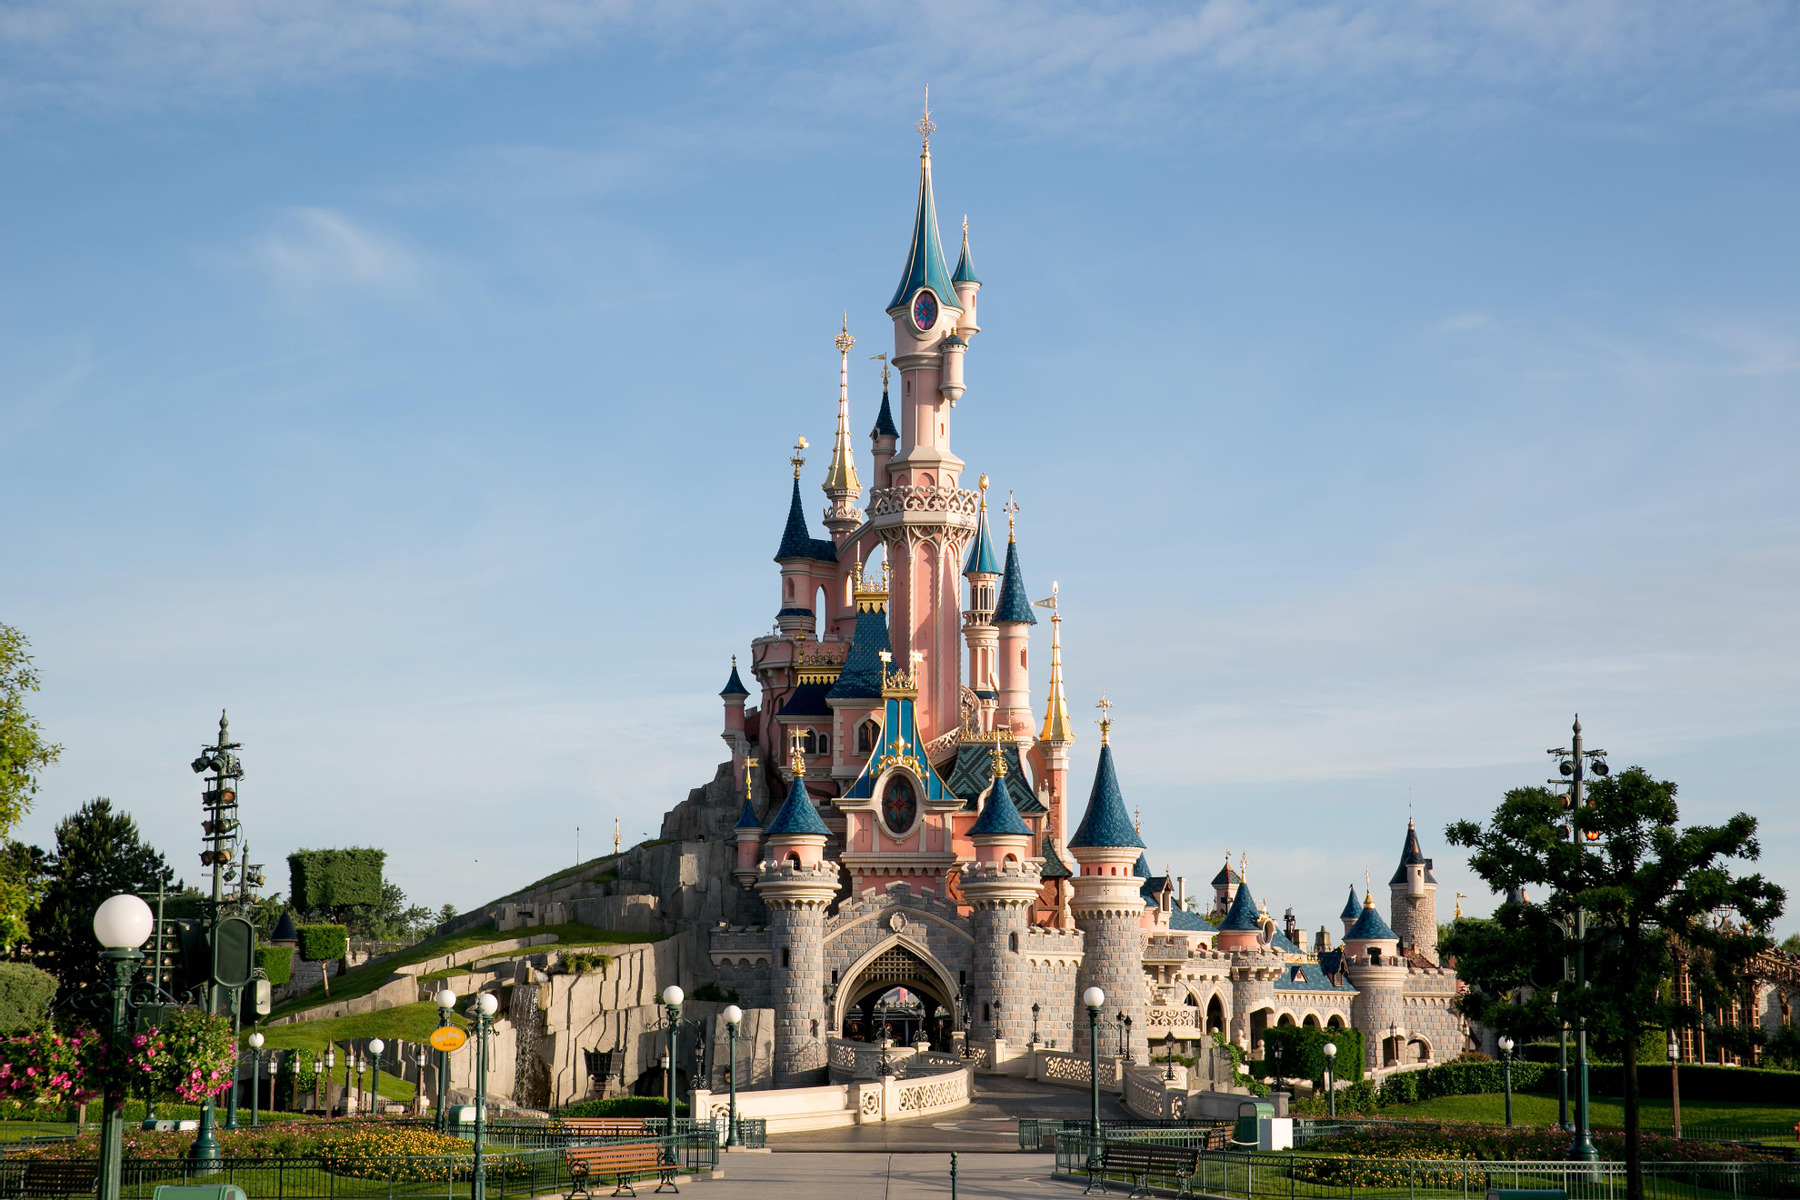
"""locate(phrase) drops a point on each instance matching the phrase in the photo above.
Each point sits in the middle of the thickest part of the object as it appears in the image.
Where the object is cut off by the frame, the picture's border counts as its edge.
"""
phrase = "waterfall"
(531, 1074)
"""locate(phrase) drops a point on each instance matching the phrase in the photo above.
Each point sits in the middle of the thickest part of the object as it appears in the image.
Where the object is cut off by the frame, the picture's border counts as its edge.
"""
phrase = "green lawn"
(407, 1022)
(365, 979)
(1607, 1112)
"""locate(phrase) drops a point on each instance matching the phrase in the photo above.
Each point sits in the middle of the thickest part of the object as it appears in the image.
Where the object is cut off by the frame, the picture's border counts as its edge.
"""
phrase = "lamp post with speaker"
(1094, 999)
(376, 1046)
(1574, 764)
(481, 1015)
(256, 1046)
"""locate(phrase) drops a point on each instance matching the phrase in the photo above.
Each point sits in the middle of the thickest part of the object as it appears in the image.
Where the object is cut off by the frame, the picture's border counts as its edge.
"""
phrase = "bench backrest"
(602, 1124)
(624, 1157)
(1149, 1154)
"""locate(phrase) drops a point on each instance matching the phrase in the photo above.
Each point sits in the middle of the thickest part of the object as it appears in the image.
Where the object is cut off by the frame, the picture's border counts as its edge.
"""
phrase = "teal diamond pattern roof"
(861, 677)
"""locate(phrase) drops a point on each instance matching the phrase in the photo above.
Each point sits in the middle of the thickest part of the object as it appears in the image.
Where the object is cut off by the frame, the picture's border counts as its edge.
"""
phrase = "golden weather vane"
(1105, 722)
(844, 341)
(799, 459)
(1011, 509)
(926, 126)
(750, 764)
(883, 359)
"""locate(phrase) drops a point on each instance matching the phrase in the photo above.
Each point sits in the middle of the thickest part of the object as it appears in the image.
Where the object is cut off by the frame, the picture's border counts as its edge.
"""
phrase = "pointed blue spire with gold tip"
(797, 540)
(925, 258)
(981, 560)
(1014, 606)
(965, 266)
(1106, 823)
(734, 686)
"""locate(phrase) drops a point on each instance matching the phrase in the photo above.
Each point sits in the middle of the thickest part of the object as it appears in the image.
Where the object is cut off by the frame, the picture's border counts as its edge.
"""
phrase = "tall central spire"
(841, 483)
(925, 258)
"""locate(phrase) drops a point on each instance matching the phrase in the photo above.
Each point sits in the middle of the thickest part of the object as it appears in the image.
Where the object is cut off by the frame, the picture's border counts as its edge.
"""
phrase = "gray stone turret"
(1412, 900)
(796, 897)
(1108, 908)
(1372, 960)
(1000, 887)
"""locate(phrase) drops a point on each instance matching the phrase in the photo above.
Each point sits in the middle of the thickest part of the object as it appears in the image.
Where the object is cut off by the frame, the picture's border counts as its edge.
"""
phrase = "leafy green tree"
(23, 753)
(1791, 943)
(98, 854)
(1658, 898)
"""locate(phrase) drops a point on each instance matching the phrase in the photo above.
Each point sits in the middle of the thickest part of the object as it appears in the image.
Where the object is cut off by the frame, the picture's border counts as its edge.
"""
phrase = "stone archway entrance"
(898, 994)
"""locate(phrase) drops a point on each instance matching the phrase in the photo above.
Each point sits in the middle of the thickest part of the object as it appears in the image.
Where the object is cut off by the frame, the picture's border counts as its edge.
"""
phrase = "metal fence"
(1324, 1177)
(509, 1176)
(1038, 1133)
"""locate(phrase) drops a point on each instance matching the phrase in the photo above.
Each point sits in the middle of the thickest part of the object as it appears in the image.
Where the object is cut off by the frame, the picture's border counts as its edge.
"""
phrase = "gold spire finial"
(799, 459)
(1057, 727)
(926, 126)
(884, 369)
(1457, 912)
(1105, 707)
(999, 755)
(750, 764)
(841, 483)
(844, 341)
(982, 483)
(798, 757)
(1137, 820)
(1368, 892)
(1244, 867)
(1012, 511)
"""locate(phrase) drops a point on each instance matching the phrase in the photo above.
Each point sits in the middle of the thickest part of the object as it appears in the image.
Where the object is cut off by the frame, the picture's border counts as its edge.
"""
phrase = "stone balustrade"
(955, 506)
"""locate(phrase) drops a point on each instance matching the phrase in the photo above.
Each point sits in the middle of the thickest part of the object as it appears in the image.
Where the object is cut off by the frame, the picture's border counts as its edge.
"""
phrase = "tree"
(1791, 944)
(1658, 898)
(98, 854)
(23, 753)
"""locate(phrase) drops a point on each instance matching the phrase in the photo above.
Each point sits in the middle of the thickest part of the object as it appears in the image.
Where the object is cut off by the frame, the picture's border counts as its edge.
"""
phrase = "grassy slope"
(365, 979)
(408, 1022)
(1607, 1112)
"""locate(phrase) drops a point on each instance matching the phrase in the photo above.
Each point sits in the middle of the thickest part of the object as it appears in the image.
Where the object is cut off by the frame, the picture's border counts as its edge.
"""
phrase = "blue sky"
(1381, 384)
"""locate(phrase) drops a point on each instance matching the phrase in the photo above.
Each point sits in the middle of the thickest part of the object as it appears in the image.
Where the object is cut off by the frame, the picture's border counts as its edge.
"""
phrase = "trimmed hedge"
(1699, 1081)
(276, 963)
(625, 1106)
(328, 880)
(25, 995)
(323, 943)
(1298, 1052)
(1461, 1079)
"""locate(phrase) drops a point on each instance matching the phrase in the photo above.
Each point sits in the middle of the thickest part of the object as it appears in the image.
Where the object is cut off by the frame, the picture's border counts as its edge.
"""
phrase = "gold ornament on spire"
(999, 753)
(1368, 892)
(882, 358)
(840, 478)
(1057, 726)
(926, 126)
(750, 764)
(1105, 722)
(797, 759)
(1457, 912)
(799, 459)
(1011, 509)
(1137, 820)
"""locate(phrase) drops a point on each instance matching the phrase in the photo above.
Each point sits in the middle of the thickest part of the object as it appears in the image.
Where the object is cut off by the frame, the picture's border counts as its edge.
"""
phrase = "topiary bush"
(25, 995)
(333, 880)
(276, 963)
(323, 943)
(1459, 1079)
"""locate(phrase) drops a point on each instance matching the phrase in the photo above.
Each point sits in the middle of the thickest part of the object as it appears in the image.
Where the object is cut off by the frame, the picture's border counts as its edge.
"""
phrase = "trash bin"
(1250, 1115)
(199, 1191)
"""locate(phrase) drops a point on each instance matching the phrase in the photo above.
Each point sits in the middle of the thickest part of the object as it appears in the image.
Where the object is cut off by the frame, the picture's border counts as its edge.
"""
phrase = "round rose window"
(899, 804)
(925, 309)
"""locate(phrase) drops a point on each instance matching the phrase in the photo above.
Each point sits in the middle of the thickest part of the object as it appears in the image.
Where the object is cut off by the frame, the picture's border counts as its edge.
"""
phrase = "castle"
(905, 817)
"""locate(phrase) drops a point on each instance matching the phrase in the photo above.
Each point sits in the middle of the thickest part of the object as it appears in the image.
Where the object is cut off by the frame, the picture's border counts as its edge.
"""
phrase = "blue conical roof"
(965, 266)
(1370, 927)
(925, 258)
(1352, 907)
(981, 560)
(884, 419)
(1141, 868)
(999, 815)
(734, 686)
(797, 540)
(1410, 855)
(1013, 606)
(747, 819)
(1106, 823)
(1054, 867)
(861, 677)
(1242, 917)
(797, 814)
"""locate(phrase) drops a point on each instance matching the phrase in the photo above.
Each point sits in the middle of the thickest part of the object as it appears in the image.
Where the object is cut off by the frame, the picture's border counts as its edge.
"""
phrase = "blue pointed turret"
(1106, 822)
(981, 560)
(1000, 815)
(965, 265)
(734, 686)
(1243, 916)
(747, 819)
(1411, 855)
(925, 258)
(797, 540)
(1142, 867)
(797, 814)
(861, 677)
(1370, 927)
(1352, 907)
(884, 418)
(1013, 606)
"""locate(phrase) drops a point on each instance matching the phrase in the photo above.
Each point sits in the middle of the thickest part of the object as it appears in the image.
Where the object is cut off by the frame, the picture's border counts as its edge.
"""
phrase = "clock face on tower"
(899, 804)
(925, 309)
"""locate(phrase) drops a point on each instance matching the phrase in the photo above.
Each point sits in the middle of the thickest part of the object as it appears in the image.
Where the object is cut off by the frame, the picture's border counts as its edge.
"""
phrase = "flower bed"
(1497, 1143)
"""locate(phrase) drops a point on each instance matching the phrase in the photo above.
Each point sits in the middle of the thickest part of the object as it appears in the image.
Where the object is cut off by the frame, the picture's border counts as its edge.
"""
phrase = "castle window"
(1012, 942)
(786, 961)
(1375, 955)
(868, 734)
(1021, 658)
(987, 1013)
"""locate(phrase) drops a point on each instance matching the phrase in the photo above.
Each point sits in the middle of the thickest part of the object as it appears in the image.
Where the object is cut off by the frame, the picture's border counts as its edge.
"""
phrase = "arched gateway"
(866, 1007)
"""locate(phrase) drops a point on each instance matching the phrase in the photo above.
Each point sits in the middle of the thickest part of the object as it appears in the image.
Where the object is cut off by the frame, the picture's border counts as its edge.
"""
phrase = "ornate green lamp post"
(446, 1002)
(256, 1045)
(672, 996)
(482, 1012)
(1574, 764)
(376, 1046)
(1329, 1050)
(1506, 1045)
(1094, 998)
(733, 1014)
(121, 924)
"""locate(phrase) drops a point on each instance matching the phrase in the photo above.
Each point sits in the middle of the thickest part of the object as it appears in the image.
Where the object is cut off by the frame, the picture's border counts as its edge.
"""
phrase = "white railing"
(919, 1097)
(1183, 1020)
(862, 1060)
(1148, 1094)
(958, 506)
(1063, 1068)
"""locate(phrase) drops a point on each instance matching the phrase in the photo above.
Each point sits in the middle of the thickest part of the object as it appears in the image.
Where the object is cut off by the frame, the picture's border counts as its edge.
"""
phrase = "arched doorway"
(1215, 1015)
(898, 993)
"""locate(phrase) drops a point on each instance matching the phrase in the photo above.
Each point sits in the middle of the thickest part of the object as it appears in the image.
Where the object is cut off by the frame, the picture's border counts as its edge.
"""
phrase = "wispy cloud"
(314, 249)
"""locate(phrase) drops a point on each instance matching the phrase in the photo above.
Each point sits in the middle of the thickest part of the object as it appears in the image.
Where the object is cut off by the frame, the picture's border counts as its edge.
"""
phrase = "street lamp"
(1034, 1025)
(376, 1046)
(482, 1012)
(1125, 1018)
(121, 924)
(1329, 1049)
(1094, 998)
(1675, 1083)
(672, 996)
(330, 1066)
(1574, 764)
(446, 1002)
(1169, 1056)
(1506, 1046)
(256, 1045)
(733, 1014)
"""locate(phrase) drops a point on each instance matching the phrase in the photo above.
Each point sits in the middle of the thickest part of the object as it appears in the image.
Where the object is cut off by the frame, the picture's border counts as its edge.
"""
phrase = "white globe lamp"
(489, 1004)
(673, 995)
(733, 1014)
(376, 1045)
(123, 922)
(446, 999)
(1093, 997)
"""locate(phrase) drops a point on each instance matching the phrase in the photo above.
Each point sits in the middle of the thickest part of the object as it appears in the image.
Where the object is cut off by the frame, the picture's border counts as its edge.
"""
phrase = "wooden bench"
(1139, 1161)
(50, 1177)
(603, 1127)
(621, 1163)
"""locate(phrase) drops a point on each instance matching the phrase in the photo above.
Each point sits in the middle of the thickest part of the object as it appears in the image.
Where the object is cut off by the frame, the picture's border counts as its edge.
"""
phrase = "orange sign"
(448, 1038)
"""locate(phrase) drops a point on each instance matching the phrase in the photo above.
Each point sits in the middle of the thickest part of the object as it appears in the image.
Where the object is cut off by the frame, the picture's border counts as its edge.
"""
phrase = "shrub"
(580, 962)
(1362, 1154)
(333, 880)
(323, 943)
(1457, 1079)
(276, 963)
(624, 1106)
(25, 994)
(1298, 1052)
(1699, 1081)
(716, 994)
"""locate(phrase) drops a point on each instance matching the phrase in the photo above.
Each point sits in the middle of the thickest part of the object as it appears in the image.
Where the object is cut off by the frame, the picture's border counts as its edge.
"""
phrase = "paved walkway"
(883, 1177)
(989, 1123)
